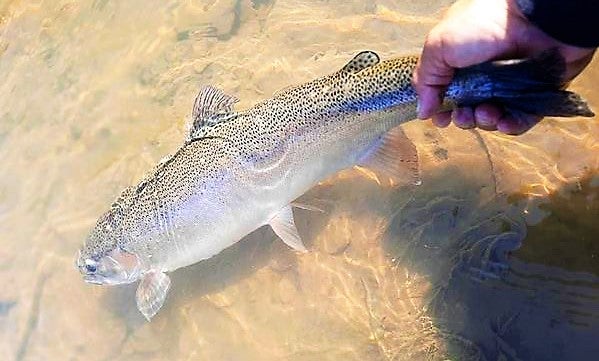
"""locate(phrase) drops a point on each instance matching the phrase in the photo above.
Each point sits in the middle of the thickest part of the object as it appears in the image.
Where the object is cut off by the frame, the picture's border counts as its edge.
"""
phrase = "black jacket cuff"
(574, 22)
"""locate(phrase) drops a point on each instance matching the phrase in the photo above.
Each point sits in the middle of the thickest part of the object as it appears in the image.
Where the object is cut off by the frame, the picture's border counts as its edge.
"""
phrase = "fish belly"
(217, 225)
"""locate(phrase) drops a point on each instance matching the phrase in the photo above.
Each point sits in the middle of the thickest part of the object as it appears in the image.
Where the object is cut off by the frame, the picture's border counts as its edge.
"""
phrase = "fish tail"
(533, 86)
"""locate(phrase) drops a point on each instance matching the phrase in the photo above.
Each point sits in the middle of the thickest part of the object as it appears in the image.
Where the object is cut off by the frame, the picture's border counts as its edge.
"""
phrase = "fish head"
(102, 259)
(113, 268)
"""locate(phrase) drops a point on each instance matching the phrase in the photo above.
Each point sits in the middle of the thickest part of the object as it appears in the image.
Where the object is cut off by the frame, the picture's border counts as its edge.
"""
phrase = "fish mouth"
(79, 262)
(92, 279)
(116, 278)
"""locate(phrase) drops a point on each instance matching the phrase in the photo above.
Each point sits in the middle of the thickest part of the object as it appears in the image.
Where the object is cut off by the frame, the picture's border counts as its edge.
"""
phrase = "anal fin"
(395, 156)
(284, 226)
(151, 293)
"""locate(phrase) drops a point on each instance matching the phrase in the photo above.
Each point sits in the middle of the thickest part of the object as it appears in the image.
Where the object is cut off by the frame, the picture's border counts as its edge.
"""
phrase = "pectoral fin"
(395, 156)
(151, 293)
(284, 226)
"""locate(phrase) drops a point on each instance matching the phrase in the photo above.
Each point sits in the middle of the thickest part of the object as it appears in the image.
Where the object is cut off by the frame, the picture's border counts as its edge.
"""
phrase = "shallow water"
(494, 256)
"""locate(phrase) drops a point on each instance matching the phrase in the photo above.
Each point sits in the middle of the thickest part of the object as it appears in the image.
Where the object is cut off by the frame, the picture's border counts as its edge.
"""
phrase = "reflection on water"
(492, 257)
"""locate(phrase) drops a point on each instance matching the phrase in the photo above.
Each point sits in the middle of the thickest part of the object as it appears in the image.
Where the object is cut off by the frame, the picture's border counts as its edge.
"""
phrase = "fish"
(237, 171)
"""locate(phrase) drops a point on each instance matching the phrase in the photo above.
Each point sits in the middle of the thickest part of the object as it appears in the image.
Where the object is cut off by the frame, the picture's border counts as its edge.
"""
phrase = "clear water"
(494, 257)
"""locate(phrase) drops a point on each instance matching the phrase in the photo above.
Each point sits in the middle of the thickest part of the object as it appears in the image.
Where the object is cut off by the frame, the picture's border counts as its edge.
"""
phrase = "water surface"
(493, 257)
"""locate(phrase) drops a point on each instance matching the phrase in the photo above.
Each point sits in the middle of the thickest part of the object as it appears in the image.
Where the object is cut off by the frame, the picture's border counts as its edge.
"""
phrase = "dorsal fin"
(211, 106)
(363, 60)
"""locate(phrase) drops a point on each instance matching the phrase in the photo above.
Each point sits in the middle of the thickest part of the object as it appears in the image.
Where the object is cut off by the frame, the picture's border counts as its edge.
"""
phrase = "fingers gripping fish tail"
(533, 86)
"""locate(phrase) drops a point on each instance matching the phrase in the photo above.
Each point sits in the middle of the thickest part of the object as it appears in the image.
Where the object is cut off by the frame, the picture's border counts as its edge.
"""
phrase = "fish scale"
(238, 171)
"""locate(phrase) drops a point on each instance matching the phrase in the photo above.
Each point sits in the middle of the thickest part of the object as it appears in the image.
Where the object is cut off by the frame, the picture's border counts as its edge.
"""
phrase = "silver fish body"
(238, 171)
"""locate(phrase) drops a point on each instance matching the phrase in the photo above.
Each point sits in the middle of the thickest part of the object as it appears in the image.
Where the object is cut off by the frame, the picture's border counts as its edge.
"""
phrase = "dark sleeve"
(574, 22)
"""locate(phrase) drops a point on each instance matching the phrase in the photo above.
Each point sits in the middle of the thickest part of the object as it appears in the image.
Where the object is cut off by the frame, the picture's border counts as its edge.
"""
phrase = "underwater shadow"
(489, 299)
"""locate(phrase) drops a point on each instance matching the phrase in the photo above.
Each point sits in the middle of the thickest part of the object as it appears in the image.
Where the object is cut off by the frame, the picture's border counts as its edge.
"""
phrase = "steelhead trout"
(238, 171)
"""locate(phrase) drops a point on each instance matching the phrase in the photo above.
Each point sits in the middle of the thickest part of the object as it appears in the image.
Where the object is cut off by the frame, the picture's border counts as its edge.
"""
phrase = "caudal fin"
(557, 103)
(532, 86)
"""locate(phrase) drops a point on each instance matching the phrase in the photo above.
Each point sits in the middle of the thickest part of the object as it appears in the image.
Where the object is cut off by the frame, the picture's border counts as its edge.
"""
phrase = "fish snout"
(81, 263)
(89, 268)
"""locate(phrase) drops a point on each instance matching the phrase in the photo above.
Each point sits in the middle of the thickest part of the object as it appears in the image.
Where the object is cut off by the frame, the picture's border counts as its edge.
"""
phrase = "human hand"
(472, 32)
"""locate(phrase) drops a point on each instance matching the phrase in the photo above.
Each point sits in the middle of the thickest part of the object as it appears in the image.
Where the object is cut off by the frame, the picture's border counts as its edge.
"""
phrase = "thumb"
(431, 77)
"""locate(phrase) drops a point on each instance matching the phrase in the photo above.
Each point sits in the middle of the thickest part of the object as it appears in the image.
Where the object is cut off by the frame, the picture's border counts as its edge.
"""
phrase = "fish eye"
(90, 266)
